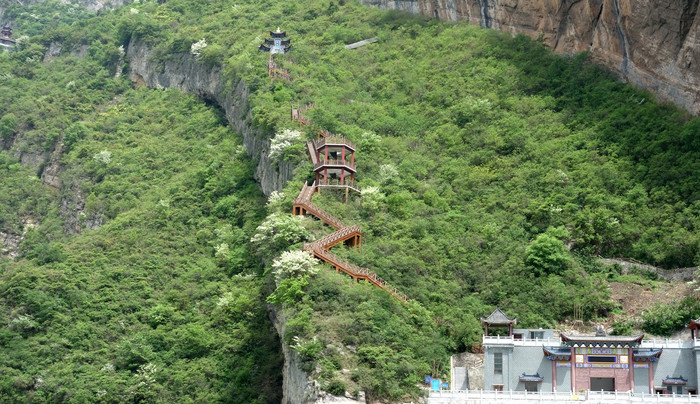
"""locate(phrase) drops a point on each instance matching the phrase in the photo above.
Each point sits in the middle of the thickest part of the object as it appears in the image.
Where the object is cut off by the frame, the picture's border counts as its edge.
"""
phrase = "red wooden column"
(554, 375)
(631, 365)
(325, 176)
(342, 154)
(651, 377)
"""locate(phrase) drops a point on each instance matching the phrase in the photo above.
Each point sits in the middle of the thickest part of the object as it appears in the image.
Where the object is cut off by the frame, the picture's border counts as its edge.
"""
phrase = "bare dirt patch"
(636, 298)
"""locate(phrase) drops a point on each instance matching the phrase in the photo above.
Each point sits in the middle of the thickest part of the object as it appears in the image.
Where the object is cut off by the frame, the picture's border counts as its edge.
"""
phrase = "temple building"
(535, 360)
(277, 43)
(6, 40)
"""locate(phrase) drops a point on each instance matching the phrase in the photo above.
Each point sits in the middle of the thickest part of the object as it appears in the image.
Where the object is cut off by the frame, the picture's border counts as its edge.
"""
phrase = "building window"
(497, 363)
(531, 386)
(536, 334)
(498, 387)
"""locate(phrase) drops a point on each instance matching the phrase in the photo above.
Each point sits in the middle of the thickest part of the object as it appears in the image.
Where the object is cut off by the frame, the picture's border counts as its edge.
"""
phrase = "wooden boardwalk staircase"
(351, 235)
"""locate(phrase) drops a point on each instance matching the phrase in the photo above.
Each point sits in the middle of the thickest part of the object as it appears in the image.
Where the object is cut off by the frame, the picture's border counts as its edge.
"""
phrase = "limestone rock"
(184, 72)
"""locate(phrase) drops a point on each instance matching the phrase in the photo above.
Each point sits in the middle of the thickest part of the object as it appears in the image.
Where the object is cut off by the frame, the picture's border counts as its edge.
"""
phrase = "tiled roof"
(531, 378)
(498, 317)
(647, 355)
(556, 352)
(675, 380)
(609, 340)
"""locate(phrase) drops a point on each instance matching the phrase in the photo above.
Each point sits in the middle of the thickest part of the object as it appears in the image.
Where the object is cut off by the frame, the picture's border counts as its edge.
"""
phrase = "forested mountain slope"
(493, 172)
(654, 44)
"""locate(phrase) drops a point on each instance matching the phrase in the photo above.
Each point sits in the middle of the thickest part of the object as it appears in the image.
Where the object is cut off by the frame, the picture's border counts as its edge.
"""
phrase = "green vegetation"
(163, 300)
(494, 174)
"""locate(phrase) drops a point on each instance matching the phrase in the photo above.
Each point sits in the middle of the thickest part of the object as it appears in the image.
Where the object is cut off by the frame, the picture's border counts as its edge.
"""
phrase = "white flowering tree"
(278, 232)
(292, 270)
(388, 173)
(197, 48)
(295, 263)
(372, 199)
(285, 144)
(103, 157)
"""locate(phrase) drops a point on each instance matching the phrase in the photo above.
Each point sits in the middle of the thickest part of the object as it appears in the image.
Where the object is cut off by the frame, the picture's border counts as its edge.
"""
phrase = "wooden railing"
(311, 148)
(331, 139)
(335, 183)
(302, 203)
(354, 271)
(335, 162)
(298, 114)
(339, 236)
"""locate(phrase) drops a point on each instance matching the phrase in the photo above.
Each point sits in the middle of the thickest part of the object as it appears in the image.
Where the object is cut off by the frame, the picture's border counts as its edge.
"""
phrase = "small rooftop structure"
(278, 43)
(675, 381)
(6, 40)
(498, 319)
(536, 378)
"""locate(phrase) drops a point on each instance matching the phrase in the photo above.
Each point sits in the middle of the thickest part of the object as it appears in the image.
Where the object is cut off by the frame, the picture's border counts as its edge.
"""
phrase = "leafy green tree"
(546, 255)
(8, 126)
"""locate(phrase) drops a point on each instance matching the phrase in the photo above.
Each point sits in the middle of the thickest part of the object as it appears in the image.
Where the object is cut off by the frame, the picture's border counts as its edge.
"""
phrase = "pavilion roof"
(600, 340)
(675, 380)
(498, 318)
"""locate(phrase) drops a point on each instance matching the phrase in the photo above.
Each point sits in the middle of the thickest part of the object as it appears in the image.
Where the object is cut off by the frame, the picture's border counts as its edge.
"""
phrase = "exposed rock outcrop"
(9, 242)
(182, 71)
(655, 44)
(297, 388)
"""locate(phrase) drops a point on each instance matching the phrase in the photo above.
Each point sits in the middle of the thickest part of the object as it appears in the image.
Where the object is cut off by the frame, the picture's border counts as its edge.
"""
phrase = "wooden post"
(554, 374)
(651, 377)
(630, 363)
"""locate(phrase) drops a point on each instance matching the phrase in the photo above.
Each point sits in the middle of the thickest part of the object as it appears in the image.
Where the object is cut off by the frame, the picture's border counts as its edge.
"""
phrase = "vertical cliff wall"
(655, 44)
(183, 72)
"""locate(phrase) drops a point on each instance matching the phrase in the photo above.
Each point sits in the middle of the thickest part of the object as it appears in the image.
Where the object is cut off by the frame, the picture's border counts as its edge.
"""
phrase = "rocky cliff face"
(297, 387)
(185, 73)
(655, 44)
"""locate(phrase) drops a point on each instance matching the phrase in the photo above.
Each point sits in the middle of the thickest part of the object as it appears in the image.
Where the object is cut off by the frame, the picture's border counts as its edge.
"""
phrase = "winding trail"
(351, 235)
